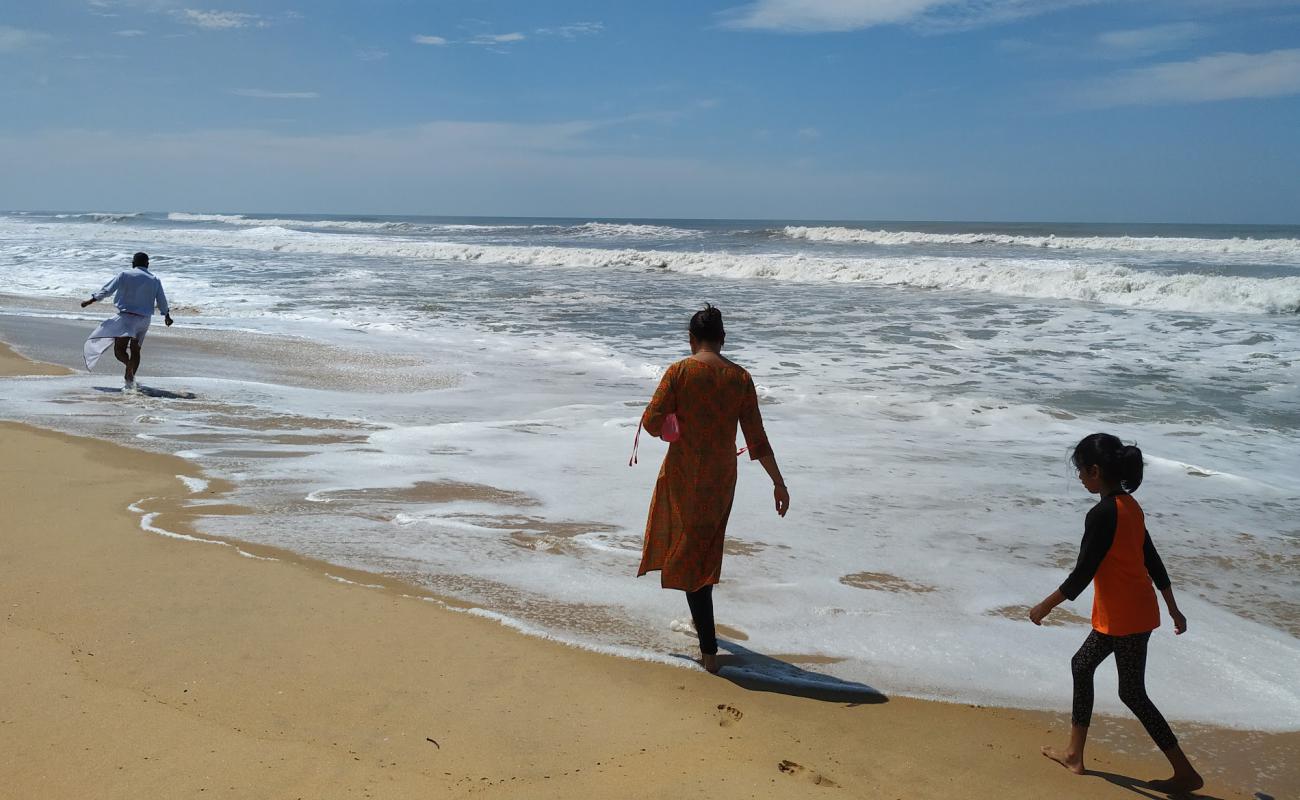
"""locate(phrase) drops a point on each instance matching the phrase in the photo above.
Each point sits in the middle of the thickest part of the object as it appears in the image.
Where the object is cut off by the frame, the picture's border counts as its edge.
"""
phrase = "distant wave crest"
(1284, 248)
(615, 230)
(101, 216)
(586, 230)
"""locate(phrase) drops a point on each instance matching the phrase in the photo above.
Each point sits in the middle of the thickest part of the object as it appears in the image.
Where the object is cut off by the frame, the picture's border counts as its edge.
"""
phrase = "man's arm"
(161, 300)
(108, 289)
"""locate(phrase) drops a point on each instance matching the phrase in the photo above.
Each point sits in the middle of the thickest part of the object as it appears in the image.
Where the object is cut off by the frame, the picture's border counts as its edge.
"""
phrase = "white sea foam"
(195, 485)
(1288, 249)
(340, 579)
(146, 524)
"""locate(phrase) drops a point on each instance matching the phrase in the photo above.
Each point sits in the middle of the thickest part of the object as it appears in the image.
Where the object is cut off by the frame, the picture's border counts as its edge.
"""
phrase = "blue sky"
(1089, 110)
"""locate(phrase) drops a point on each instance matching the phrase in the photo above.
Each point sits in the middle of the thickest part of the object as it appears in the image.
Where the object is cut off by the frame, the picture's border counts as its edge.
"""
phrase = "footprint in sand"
(803, 773)
(729, 715)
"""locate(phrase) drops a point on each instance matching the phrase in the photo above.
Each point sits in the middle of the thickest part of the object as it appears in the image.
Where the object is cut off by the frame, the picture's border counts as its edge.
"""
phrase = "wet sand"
(138, 665)
(13, 364)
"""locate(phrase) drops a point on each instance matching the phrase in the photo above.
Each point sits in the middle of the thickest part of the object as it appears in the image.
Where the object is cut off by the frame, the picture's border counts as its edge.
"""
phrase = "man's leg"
(121, 353)
(134, 363)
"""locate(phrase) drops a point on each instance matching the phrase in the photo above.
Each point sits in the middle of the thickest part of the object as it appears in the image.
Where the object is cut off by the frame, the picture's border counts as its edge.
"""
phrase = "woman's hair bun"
(706, 324)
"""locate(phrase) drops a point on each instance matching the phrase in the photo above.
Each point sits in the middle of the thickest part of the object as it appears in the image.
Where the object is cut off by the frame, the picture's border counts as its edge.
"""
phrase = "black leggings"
(1131, 663)
(701, 603)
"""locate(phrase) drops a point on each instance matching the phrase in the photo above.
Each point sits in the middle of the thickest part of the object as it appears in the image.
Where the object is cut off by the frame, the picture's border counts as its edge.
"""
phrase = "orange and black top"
(1118, 555)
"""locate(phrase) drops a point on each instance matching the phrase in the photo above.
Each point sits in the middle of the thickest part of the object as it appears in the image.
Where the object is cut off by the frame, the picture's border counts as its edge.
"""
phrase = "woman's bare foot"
(1066, 759)
(1179, 784)
(710, 662)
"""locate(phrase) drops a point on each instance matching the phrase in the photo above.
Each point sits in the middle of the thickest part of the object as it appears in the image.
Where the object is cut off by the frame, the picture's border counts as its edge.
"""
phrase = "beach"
(140, 664)
(426, 423)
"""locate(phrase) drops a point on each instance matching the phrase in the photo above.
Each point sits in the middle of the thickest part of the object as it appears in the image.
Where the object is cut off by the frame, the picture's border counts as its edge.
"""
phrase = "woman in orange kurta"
(692, 499)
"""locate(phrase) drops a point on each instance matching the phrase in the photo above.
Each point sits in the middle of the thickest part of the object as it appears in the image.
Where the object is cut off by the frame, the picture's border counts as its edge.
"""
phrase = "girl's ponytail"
(1118, 462)
(1128, 467)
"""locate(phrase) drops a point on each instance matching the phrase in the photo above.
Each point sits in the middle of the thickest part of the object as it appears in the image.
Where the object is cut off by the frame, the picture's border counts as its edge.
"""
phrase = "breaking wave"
(1270, 248)
(1051, 279)
(102, 216)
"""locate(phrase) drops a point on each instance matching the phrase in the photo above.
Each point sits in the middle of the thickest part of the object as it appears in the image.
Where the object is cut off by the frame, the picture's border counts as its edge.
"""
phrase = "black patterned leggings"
(701, 603)
(1131, 663)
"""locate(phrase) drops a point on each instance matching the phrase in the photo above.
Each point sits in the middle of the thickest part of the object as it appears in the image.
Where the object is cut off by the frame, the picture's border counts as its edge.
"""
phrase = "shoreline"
(229, 631)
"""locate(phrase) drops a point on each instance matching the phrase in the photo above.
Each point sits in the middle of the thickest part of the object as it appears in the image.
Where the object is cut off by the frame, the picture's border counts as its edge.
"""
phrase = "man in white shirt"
(135, 293)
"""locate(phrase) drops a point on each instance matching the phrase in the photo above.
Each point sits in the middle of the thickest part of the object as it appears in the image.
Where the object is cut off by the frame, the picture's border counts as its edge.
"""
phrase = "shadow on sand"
(147, 391)
(1141, 788)
(759, 673)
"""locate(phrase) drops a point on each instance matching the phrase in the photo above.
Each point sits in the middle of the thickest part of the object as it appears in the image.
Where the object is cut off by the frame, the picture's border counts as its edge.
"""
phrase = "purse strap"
(635, 444)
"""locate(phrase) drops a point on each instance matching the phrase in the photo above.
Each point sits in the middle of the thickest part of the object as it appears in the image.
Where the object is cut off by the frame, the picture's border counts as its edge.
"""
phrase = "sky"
(1051, 110)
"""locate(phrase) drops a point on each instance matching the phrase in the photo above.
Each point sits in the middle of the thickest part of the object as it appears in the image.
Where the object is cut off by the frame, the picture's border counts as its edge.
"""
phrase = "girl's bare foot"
(1066, 759)
(710, 662)
(1179, 784)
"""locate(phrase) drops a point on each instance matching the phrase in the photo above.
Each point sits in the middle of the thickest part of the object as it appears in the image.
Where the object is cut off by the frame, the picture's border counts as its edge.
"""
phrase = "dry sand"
(140, 666)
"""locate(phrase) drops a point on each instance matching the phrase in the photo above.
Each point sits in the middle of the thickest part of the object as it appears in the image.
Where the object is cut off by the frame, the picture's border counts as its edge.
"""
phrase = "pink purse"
(671, 432)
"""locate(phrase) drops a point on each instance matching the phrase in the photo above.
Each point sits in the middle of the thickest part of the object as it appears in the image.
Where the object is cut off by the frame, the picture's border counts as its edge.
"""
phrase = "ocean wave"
(1047, 279)
(617, 230)
(1272, 248)
(102, 216)
(319, 224)
(182, 216)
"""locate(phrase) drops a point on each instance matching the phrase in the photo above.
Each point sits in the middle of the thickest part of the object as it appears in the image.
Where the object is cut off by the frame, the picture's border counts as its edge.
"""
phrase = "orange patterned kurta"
(692, 499)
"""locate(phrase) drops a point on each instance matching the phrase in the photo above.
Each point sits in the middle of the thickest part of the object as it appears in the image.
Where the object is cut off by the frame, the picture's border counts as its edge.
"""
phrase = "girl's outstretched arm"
(1098, 536)
(1038, 612)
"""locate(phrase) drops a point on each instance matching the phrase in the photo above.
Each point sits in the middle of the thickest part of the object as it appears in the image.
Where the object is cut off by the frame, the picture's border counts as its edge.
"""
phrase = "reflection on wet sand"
(1059, 617)
(883, 581)
(428, 492)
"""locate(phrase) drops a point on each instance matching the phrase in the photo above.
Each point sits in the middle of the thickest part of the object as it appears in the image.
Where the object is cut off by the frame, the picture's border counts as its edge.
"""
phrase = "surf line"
(146, 524)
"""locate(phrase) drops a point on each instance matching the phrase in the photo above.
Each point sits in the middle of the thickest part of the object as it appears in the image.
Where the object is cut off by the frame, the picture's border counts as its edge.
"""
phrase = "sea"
(452, 402)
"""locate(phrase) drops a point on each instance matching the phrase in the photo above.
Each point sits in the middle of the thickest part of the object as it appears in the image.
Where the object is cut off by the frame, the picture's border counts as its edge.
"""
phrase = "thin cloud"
(493, 39)
(14, 39)
(1147, 41)
(809, 134)
(129, 33)
(1114, 45)
(436, 41)
(826, 16)
(1222, 76)
(573, 30)
(372, 54)
(269, 95)
(219, 20)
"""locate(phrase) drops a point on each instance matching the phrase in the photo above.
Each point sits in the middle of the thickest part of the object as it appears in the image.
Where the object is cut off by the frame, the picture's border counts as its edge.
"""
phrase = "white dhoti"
(132, 326)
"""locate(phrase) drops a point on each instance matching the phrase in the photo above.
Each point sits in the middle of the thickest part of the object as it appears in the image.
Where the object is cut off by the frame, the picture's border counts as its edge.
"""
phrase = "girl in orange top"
(1119, 559)
(692, 499)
